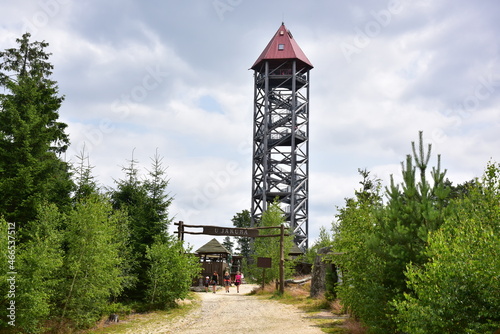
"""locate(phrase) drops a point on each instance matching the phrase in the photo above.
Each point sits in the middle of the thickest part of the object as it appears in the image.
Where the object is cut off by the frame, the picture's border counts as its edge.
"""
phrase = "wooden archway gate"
(252, 232)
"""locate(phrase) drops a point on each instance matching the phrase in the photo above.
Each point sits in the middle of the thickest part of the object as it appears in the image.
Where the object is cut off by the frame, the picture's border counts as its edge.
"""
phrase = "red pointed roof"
(283, 46)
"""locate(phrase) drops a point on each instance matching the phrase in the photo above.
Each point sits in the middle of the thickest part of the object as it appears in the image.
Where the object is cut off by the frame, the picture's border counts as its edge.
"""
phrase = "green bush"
(91, 269)
(171, 272)
(458, 290)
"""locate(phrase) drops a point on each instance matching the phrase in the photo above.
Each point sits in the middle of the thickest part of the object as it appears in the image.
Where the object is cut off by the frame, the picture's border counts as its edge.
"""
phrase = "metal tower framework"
(281, 142)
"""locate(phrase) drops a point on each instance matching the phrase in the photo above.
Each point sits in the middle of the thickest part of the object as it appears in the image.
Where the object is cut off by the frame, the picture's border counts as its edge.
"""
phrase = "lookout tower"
(281, 132)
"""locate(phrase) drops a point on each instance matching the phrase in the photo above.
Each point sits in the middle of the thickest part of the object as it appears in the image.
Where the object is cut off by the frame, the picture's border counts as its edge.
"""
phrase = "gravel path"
(235, 312)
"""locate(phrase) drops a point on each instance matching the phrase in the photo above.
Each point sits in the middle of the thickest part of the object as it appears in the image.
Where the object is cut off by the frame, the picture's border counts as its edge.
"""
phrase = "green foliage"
(132, 195)
(4, 269)
(72, 257)
(427, 260)
(270, 246)
(38, 263)
(458, 290)
(379, 241)
(146, 204)
(413, 211)
(30, 135)
(243, 220)
(92, 262)
(228, 244)
(171, 272)
(324, 240)
(360, 267)
(85, 181)
(158, 200)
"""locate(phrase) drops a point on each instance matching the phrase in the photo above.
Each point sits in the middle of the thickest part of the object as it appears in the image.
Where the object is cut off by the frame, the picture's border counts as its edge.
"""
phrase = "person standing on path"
(215, 280)
(206, 283)
(237, 281)
(227, 281)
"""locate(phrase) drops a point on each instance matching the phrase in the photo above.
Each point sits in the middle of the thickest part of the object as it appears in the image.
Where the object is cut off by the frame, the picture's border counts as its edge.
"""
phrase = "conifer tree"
(243, 220)
(402, 229)
(86, 184)
(270, 246)
(31, 137)
(146, 203)
(92, 268)
(458, 290)
(39, 260)
(358, 264)
(412, 211)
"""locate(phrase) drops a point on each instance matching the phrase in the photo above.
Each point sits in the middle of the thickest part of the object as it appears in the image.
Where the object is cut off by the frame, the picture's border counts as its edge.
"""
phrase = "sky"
(172, 78)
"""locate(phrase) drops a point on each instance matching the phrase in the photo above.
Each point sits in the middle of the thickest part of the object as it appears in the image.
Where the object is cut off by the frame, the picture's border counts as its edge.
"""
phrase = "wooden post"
(263, 278)
(181, 230)
(282, 260)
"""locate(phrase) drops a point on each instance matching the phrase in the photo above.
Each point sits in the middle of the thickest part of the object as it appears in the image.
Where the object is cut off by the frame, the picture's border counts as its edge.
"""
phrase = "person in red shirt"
(237, 281)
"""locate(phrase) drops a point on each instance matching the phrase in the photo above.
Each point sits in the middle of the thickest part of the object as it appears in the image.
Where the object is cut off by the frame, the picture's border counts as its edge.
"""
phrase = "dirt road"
(235, 312)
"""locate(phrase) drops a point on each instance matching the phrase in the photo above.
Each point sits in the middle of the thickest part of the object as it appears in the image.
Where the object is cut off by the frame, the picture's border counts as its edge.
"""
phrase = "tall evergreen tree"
(413, 211)
(31, 137)
(159, 200)
(146, 203)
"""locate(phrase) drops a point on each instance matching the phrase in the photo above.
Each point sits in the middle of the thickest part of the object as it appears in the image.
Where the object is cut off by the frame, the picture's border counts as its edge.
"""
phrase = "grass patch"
(135, 320)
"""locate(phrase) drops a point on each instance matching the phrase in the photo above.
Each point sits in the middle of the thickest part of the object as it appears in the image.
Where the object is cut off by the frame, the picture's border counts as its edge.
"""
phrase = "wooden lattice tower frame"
(281, 133)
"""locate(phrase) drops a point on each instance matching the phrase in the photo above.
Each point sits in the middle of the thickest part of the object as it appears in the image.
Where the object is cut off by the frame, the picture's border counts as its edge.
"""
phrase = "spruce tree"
(243, 220)
(86, 185)
(146, 203)
(31, 137)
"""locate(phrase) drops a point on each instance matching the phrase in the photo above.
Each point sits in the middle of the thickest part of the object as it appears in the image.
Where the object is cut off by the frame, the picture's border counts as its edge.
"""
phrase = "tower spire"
(283, 46)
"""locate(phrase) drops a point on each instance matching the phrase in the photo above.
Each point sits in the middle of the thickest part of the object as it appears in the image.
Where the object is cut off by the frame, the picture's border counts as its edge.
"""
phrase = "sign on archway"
(232, 232)
(240, 232)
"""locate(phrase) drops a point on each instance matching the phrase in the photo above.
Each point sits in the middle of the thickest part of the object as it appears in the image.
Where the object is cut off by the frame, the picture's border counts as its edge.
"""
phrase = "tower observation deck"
(280, 166)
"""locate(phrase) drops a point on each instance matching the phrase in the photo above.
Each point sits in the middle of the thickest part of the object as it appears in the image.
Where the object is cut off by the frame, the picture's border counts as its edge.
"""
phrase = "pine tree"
(413, 211)
(170, 272)
(39, 260)
(458, 290)
(402, 229)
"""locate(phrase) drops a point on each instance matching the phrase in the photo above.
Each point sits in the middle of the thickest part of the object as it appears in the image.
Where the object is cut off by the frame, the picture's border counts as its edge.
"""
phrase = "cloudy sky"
(173, 77)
